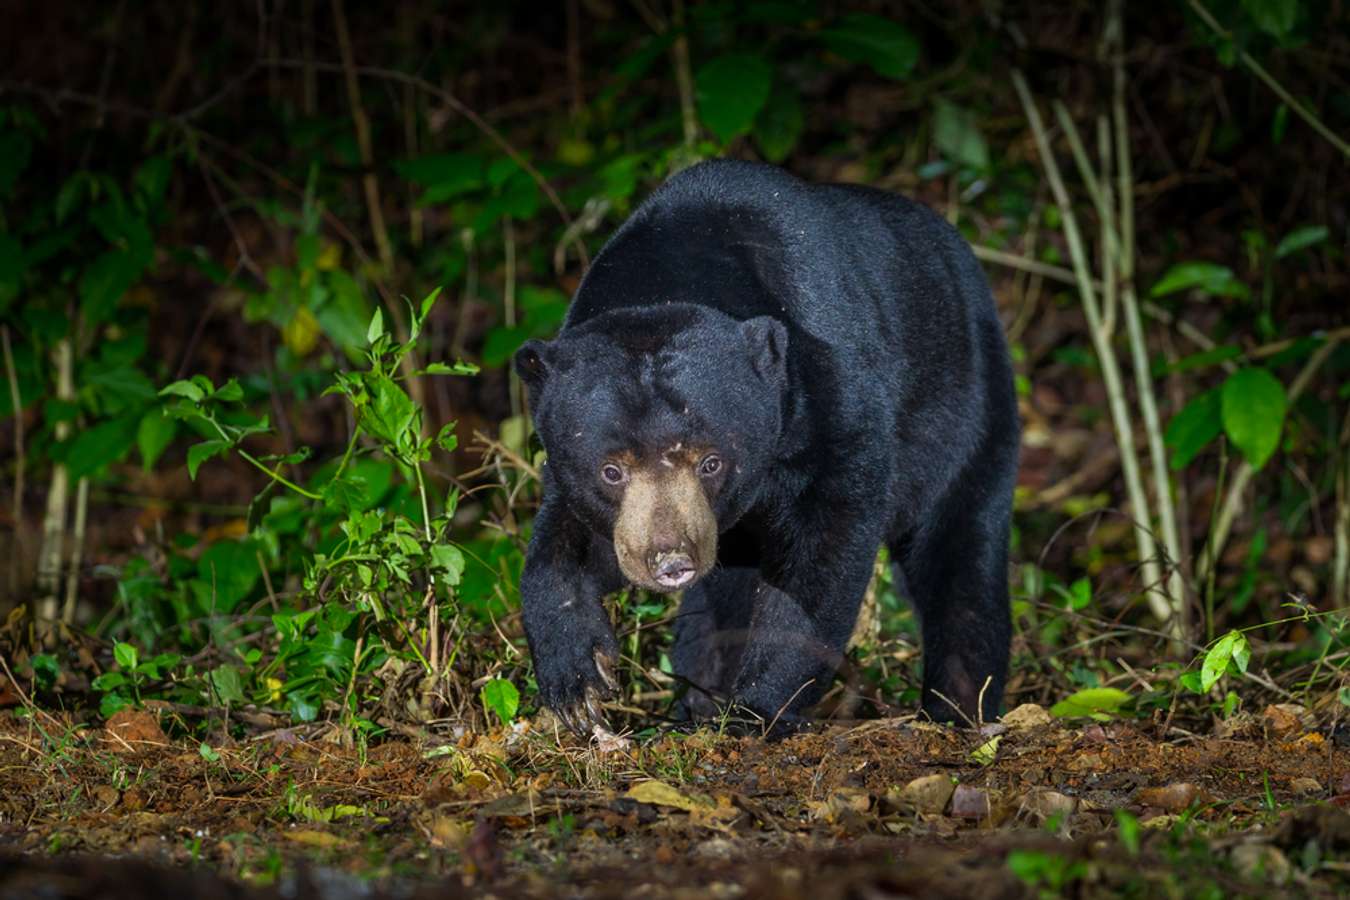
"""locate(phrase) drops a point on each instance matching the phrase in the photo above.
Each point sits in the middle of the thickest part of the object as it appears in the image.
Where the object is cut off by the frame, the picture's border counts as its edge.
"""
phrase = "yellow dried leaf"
(312, 838)
(301, 333)
(658, 793)
(986, 753)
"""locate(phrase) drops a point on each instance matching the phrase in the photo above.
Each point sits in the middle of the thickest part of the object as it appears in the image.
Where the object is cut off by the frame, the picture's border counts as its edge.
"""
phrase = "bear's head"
(660, 423)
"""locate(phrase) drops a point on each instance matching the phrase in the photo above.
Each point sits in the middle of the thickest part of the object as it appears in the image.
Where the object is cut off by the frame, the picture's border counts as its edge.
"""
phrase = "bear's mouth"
(674, 571)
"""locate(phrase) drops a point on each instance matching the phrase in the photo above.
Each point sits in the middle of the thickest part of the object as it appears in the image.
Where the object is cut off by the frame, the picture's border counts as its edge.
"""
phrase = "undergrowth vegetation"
(268, 459)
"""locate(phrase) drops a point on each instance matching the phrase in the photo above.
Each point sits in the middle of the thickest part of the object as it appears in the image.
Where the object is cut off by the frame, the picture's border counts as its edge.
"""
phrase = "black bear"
(760, 382)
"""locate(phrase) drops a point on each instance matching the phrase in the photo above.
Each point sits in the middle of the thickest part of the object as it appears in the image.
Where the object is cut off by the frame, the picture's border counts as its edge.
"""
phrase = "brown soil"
(1251, 809)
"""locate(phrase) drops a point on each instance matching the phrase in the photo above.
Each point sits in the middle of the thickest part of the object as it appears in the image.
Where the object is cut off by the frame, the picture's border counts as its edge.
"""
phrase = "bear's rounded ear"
(767, 340)
(533, 362)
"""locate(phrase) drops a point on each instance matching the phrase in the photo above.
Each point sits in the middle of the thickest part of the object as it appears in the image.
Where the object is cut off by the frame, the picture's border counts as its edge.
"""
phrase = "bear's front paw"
(574, 678)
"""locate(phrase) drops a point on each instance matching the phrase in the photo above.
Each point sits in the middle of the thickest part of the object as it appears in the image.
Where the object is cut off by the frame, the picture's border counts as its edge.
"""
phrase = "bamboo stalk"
(369, 183)
(20, 461)
(54, 521)
(1111, 377)
(1340, 566)
(1134, 329)
(76, 551)
(683, 80)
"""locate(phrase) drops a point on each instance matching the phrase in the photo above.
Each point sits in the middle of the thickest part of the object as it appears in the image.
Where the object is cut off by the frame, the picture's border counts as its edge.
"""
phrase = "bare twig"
(1260, 72)
(369, 181)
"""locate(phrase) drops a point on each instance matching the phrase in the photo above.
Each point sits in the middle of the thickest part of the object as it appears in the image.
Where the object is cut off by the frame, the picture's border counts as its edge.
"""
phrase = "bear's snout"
(665, 536)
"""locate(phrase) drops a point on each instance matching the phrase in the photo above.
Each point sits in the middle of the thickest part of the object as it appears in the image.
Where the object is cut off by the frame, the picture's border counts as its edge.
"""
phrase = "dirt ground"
(887, 808)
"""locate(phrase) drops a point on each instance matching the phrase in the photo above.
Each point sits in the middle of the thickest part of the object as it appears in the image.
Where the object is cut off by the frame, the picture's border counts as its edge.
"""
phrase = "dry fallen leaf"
(658, 793)
(312, 838)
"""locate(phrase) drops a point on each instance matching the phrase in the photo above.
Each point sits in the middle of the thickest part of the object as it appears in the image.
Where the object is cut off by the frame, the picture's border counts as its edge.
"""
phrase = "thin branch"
(1260, 72)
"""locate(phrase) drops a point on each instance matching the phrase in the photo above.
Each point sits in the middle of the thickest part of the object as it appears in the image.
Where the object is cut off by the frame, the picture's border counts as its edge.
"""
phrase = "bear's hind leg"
(956, 575)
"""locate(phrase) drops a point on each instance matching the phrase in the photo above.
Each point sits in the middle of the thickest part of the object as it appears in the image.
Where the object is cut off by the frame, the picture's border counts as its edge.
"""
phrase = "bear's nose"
(672, 570)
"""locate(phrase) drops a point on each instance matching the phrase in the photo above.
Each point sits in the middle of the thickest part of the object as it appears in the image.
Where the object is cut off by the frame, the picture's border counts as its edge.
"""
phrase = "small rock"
(1044, 804)
(1306, 786)
(1173, 798)
(1028, 715)
(927, 795)
(105, 796)
(1283, 719)
(715, 848)
(1261, 861)
(970, 802)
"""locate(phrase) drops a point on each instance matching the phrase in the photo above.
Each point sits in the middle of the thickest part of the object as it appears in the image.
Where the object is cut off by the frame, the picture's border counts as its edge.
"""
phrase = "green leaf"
(501, 342)
(152, 179)
(501, 697)
(888, 47)
(226, 573)
(229, 392)
(375, 330)
(126, 655)
(1300, 238)
(1099, 703)
(1130, 831)
(153, 435)
(731, 90)
(207, 753)
(104, 283)
(108, 681)
(1080, 594)
(446, 174)
(92, 449)
(780, 123)
(200, 453)
(390, 412)
(449, 560)
(228, 686)
(1231, 650)
(189, 389)
(1197, 424)
(1191, 682)
(15, 150)
(1253, 408)
(956, 131)
(1201, 360)
(12, 266)
(1210, 278)
(1274, 17)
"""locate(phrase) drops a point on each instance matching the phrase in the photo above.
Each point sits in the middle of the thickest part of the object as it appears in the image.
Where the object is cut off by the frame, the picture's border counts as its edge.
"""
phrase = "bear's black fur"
(836, 348)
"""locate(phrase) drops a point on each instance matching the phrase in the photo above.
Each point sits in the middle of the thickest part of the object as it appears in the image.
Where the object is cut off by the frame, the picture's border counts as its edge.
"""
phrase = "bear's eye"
(612, 474)
(710, 466)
